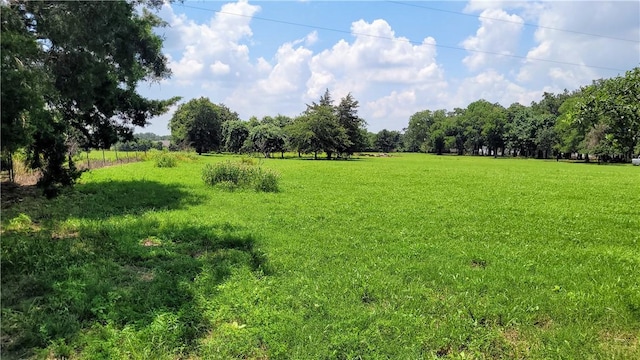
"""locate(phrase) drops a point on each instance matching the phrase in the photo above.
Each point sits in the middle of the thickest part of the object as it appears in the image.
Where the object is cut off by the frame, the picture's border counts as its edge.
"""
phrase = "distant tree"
(417, 133)
(326, 133)
(198, 124)
(455, 130)
(484, 126)
(436, 134)
(387, 141)
(266, 139)
(299, 135)
(353, 125)
(319, 129)
(520, 130)
(151, 136)
(279, 120)
(234, 134)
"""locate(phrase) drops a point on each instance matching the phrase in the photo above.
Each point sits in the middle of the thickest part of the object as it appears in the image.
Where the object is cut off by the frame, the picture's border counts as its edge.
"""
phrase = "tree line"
(323, 128)
(601, 119)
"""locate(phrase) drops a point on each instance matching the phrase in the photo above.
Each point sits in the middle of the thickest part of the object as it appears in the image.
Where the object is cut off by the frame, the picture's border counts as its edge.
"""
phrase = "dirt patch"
(13, 193)
(141, 273)
(64, 234)
(520, 346)
(544, 322)
(151, 241)
(625, 344)
(478, 263)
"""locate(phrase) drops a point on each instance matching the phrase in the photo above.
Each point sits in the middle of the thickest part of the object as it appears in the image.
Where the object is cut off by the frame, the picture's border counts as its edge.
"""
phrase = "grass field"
(408, 257)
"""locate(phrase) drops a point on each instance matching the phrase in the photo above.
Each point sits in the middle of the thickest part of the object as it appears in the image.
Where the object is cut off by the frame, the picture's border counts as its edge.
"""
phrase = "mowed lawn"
(407, 257)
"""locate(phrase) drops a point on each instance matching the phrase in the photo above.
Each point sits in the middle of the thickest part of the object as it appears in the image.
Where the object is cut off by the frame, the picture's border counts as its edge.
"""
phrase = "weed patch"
(244, 174)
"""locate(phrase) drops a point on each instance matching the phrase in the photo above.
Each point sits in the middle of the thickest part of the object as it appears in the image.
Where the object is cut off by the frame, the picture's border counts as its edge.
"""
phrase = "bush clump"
(232, 175)
(166, 160)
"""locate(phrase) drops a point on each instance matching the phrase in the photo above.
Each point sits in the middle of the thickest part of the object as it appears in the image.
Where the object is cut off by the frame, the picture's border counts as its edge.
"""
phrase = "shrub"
(231, 175)
(166, 160)
(267, 181)
(247, 161)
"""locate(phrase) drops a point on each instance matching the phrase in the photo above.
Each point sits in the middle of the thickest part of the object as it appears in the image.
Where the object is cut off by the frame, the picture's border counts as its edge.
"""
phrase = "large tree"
(353, 125)
(417, 133)
(92, 56)
(266, 139)
(605, 115)
(234, 134)
(388, 140)
(198, 124)
(319, 129)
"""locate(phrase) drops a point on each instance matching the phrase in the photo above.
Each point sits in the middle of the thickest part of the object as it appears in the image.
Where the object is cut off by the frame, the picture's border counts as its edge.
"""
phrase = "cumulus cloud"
(494, 87)
(389, 71)
(391, 75)
(578, 47)
(568, 59)
(499, 33)
(213, 45)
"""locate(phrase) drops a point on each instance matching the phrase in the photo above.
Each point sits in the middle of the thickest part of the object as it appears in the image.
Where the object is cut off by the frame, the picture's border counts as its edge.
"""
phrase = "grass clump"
(233, 175)
(166, 160)
(266, 181)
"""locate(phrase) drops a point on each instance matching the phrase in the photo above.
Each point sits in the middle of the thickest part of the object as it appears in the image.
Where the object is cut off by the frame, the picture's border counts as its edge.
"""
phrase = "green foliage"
(234, 134)
(165, 160)
(267, 181)
(387, 141)
(232, 175)
(266, 139)
(325, 127)
(198, 124)
(63, 89)
(348, 118)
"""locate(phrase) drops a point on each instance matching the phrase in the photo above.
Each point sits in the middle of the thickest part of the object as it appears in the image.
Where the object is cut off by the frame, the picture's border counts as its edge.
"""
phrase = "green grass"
(408, 257)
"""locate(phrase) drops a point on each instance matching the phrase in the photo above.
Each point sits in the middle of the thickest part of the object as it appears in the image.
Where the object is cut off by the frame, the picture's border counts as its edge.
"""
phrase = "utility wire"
(413, 42)
(513, 22)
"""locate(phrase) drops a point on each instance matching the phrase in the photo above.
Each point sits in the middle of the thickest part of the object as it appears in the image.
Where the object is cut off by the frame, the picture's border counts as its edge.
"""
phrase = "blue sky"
(396, 58)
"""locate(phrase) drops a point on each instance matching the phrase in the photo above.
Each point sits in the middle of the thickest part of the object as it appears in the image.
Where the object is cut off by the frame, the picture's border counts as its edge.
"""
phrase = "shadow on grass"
(114, 286)
(101, 200)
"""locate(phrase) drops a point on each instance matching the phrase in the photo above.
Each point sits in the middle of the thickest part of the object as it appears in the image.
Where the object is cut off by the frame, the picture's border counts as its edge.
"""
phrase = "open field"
(407, 257)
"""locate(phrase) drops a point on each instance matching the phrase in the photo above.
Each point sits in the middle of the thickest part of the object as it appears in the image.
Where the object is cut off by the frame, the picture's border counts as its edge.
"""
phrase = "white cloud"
(278, 88)
(391, 76)
(494, 87)
(388, 71)
(619, 19)
(216, 44)
(498, 34)
(219, 68)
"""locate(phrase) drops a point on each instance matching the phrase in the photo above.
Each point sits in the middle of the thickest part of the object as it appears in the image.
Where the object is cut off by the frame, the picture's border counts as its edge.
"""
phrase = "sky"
(264, 58)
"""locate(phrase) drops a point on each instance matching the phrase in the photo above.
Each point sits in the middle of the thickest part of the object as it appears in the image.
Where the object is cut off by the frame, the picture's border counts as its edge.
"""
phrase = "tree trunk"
(12, 174)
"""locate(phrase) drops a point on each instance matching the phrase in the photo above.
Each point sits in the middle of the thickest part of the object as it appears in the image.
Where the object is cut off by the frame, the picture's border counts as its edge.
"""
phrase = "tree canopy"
(70, 72)
(198, 124)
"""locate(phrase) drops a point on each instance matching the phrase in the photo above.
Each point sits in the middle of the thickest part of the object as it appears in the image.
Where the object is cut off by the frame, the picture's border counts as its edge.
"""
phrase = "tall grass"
(243, 174)
(413, 256)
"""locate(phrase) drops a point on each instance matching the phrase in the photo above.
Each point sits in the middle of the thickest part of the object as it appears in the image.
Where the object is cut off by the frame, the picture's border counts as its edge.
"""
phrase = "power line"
(513, 22)
(413, 42)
